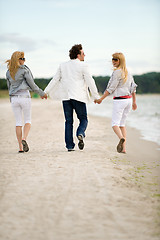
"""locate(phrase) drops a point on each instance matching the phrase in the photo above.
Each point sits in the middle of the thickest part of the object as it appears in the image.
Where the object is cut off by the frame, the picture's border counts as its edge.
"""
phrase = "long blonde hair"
(122, 65)
(13, 63)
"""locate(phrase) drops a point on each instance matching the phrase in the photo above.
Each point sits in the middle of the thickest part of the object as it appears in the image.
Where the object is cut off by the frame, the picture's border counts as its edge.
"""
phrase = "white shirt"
(72, 81)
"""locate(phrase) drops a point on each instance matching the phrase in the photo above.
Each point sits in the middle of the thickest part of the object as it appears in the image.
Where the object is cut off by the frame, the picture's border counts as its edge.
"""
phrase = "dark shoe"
(71, 150)
(81, 143)
(20, 151)
(120, 145)
(25, 146)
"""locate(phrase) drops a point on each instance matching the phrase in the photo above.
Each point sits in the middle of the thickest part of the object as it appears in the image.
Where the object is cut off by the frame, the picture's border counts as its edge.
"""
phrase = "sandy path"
(95, 194)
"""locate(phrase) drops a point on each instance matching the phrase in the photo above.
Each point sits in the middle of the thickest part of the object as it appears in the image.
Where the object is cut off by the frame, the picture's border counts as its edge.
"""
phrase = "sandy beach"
(94, 194)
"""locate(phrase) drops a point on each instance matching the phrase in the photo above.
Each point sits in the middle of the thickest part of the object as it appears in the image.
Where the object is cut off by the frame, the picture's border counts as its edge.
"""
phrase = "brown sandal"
(25, 146)
(120, 145)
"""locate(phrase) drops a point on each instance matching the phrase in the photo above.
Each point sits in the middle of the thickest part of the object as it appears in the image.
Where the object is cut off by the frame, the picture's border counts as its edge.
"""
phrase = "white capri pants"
(21, 105)
(121, 108)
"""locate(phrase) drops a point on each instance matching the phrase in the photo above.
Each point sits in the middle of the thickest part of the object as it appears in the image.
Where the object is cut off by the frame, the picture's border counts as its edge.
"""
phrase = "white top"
(117, 87)
(72, 81)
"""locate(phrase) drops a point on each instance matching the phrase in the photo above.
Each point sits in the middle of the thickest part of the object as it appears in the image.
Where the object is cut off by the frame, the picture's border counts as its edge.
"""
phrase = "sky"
(46, 30)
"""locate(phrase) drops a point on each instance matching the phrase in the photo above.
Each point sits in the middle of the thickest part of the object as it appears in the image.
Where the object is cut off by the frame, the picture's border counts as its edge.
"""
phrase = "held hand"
(134, 106)
(44, 96)
(98, 101)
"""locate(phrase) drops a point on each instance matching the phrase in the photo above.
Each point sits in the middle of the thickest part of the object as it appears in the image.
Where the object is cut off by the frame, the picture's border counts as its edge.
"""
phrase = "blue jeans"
(81, 111)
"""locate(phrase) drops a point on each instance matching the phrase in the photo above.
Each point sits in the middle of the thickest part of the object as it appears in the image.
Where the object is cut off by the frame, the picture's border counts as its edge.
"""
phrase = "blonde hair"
(13, 63)
(122, 65)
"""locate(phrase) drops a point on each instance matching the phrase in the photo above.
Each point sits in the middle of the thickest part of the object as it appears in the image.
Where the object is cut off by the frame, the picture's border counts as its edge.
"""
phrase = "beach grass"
(4, 94)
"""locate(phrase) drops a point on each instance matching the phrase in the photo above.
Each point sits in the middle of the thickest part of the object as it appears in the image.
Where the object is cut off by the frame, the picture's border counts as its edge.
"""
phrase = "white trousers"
(21, 106)
(121, 108)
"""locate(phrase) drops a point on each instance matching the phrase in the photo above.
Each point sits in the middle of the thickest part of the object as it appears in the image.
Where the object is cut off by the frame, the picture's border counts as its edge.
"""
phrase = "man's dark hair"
(74, 51)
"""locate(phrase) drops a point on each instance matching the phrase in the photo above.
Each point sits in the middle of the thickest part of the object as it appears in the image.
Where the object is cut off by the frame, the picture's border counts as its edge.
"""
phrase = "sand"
(94, 194)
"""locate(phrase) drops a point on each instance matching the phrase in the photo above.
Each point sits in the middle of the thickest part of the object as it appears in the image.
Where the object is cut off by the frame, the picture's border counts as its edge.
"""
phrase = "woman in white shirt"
(123, 88)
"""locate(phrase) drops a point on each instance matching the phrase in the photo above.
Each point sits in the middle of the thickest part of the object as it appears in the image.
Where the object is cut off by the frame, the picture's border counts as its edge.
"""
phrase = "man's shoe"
(81, 143)
(71, 150)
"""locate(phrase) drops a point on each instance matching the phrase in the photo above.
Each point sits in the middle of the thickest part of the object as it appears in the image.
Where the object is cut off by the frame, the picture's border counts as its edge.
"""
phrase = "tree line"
(147, 83)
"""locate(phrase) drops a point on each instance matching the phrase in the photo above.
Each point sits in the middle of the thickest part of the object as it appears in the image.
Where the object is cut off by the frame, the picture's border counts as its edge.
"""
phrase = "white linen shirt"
(72, 81)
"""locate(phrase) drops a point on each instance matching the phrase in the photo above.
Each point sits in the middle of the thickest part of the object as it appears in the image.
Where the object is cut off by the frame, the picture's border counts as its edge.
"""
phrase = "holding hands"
(106, 93)
(98, 101)
(44, 96)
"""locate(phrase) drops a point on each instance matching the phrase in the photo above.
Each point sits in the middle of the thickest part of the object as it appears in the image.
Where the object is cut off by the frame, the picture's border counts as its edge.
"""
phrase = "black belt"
(22, 96)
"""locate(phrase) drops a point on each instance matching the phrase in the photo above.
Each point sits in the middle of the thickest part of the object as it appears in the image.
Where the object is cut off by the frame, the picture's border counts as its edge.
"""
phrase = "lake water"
(146, 118)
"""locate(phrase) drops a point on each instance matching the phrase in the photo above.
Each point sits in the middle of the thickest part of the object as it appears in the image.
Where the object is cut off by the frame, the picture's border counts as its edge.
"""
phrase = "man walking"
(71, 84)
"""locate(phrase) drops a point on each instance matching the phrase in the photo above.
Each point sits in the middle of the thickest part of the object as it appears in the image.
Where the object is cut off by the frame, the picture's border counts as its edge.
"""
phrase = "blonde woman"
(123, 87)
(20, 82)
